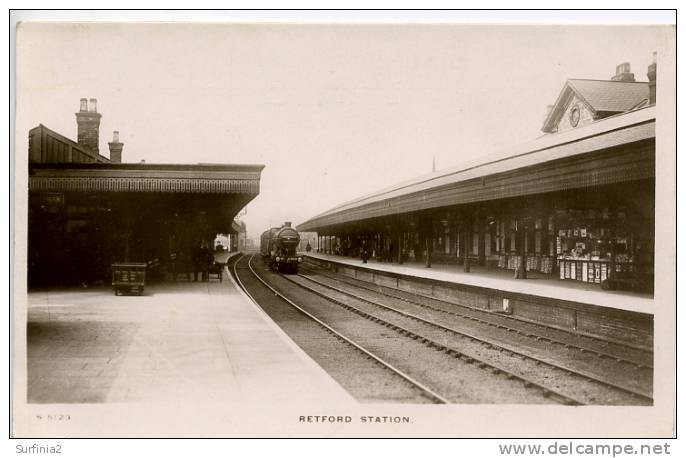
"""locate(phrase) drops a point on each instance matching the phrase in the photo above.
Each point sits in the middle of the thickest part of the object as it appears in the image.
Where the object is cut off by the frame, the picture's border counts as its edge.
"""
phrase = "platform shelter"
(576, 204)
(87, 211)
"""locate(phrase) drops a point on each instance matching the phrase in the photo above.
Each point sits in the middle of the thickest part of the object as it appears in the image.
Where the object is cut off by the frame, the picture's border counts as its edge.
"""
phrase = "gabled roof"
(614, 96)
(600, 96)
(46, 145)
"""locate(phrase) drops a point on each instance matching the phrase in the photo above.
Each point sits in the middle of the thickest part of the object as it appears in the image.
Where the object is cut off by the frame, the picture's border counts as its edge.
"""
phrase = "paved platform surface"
(546, 287)
(222, 256)
(182, 342)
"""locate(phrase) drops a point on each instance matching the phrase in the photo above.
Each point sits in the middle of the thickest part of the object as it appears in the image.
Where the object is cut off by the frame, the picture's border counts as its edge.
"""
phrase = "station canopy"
(612, 150)
(87, 211)
(145, 190)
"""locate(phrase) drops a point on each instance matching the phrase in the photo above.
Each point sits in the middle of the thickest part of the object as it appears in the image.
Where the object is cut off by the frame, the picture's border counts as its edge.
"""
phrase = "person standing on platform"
(198, 260)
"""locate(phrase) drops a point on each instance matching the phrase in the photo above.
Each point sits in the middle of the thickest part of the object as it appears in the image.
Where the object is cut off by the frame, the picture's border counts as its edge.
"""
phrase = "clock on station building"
(574, 116)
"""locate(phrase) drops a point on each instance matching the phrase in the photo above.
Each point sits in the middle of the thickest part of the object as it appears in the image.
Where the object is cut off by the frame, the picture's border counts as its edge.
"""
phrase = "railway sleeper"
(595, 340)
(470, 360)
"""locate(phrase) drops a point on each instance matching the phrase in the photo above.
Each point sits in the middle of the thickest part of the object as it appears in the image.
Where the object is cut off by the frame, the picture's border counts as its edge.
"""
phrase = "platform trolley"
(128, 278)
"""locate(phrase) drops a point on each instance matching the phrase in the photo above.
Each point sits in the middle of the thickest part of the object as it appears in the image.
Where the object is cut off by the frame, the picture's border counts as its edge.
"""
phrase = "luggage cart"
(216, 268)
(128, 277)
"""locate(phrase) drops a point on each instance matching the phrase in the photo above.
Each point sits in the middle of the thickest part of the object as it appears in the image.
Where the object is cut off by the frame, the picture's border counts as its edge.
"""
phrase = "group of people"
(196, 262)
(202, 259)
(388, 254)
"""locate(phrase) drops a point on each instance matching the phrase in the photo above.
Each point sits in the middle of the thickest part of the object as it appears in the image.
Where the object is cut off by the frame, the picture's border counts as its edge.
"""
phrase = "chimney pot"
(116, 148)
(88, 125)
(623, 73)
(287, 224)
(652, 75)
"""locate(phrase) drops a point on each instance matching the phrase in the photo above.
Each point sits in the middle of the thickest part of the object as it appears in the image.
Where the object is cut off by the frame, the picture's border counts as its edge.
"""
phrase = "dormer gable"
(583, 101)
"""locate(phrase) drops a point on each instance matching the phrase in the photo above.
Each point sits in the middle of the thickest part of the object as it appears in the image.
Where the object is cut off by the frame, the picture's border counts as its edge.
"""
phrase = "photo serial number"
(348, 419)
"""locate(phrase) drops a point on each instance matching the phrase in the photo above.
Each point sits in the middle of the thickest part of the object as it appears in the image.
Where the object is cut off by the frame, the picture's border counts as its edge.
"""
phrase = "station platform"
(223, 256)
(535, 285)
(199, 345)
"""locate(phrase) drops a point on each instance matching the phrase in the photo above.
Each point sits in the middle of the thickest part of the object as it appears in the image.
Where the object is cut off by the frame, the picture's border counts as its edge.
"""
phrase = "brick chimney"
(624, 74)
(88, 122)
(115, 147)
(652, 74)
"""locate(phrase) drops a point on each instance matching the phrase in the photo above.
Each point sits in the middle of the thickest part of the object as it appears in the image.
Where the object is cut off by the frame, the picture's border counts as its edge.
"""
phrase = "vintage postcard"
(293, 229)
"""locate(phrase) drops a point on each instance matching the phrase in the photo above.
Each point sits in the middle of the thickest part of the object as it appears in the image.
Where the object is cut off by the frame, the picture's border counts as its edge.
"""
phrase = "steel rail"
(485, 342)
(240, 283)
(566, 399)
(424, 389)
(489, 344)
(580, 348)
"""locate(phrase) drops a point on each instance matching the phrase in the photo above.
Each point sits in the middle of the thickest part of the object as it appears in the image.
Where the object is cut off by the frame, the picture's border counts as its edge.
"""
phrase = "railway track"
(426, 367)
(341, 339)
(567, 378)
(639, 357)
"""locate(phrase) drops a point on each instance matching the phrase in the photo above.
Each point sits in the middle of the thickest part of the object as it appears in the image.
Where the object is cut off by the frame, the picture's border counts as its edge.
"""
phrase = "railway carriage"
(278, 247)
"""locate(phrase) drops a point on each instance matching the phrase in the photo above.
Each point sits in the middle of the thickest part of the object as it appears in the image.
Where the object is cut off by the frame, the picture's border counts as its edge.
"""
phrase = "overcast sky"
(333, 111)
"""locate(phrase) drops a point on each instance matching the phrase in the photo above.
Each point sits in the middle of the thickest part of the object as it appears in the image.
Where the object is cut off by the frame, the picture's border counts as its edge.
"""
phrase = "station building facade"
(87, 211)
(576, 204)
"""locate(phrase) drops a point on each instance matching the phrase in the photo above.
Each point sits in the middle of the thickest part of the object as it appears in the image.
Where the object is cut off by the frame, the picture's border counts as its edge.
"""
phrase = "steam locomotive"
(278, 248)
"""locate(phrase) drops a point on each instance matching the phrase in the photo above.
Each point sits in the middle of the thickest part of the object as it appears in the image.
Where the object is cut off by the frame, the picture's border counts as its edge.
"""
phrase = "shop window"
(591, 243)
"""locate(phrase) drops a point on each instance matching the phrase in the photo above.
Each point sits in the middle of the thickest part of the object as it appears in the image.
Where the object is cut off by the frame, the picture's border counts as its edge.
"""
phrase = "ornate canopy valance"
(158, 178)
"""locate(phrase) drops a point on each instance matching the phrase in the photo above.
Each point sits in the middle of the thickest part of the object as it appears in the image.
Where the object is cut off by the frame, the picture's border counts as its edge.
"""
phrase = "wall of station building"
(74, 237)
(585, 115)
(83, 218)
(576, 235)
